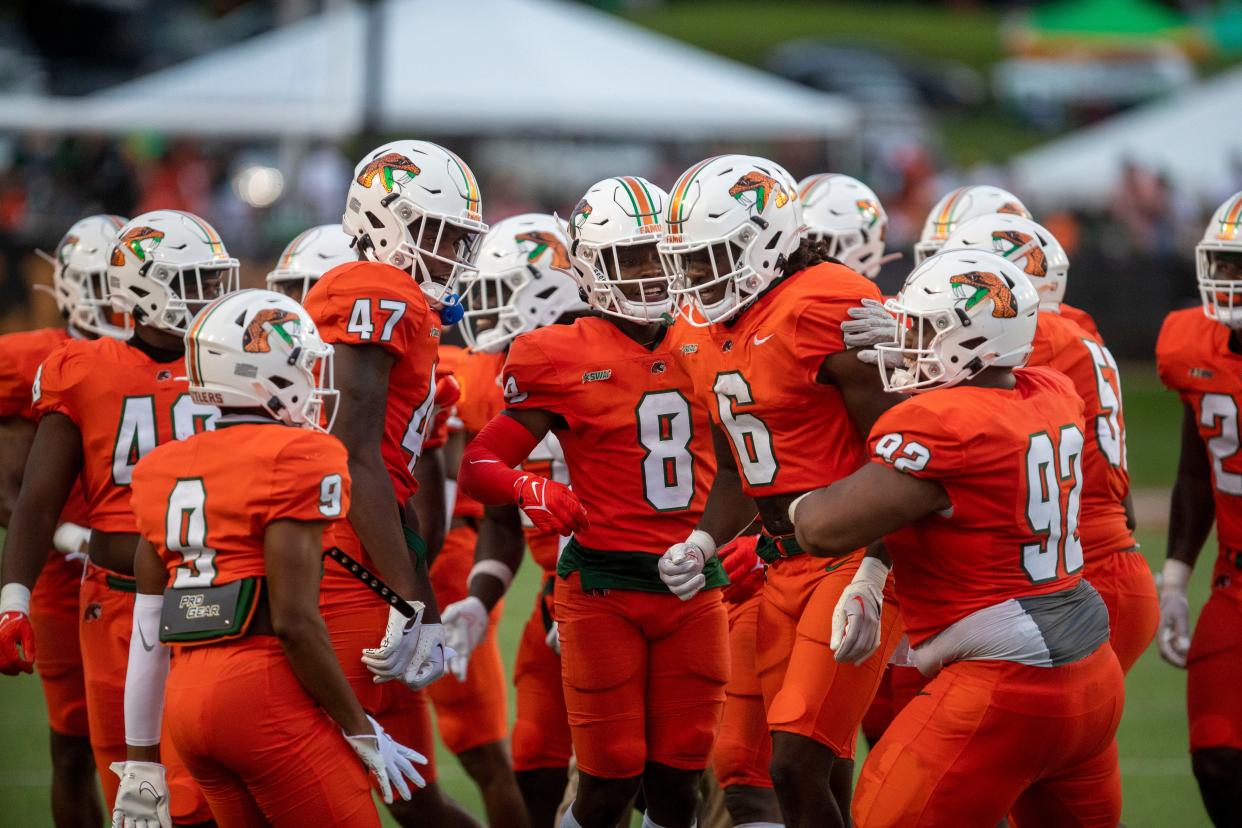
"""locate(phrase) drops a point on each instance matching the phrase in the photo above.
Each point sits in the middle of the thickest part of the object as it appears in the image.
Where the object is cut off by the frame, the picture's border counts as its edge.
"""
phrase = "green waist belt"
(614, 569)
(771, 549)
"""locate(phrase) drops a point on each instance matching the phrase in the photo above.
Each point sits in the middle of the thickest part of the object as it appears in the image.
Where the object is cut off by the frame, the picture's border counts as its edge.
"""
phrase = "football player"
(959, 205)
(413, 212)
(847, 215)
(522, 283)
(1198, 355)
(974, 481)
(1113, 563)
(311, 254)
(789, 405)
(79, 274)
(102, 404)
(232, 520)
(644, 667)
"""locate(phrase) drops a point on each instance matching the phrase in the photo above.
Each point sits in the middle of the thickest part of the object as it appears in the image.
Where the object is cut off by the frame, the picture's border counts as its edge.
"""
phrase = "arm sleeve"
(529, 379)
(917, 441)
(487, 471)
(1168, 362)
(817, 329)
(313, 482)
(15, 386)
(55, 384)
(146, 674)
(369, 304)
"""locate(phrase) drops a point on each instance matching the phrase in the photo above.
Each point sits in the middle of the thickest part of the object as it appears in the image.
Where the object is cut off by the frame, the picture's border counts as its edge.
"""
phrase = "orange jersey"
(205, 503)
(1013, 528)
(639, 453)
(367, 303)
(1083, 319)
(124, 404)
(756, 375)
(20, 357)
(1063, 345)
(1193, 359)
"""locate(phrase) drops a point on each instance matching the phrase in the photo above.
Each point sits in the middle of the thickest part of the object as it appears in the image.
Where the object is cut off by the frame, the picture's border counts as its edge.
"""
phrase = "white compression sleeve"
(146, 674)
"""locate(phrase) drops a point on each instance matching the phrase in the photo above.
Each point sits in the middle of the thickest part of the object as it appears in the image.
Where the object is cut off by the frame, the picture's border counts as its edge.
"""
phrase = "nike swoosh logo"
(143, 638)
(832, 566)
(759, 341)
(147, 787)
(476, 462)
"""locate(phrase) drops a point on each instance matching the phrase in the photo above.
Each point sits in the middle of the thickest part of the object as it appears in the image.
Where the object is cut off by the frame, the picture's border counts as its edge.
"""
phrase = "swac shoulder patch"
(597, 376)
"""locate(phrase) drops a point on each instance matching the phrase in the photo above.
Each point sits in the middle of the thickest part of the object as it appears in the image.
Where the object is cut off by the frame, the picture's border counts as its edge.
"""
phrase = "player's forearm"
(728, 510)
(375, 518)
(500, 540)
(428, 502)
(1192, 511)
(27, 542)
(305, 642)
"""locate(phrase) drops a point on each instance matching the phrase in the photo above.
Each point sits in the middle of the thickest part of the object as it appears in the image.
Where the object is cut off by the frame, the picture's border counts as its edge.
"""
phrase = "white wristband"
(1175, 575)
(703, 541)
(793, 505)
(873, 570)
(15, 598)
(71, 539)
(497, 569)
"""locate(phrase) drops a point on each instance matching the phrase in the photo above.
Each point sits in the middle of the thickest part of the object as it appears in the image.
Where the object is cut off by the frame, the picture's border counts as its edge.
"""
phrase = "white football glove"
(1173, 636)
(869, 325)
(553, 638)
(856, 619)
(390, 659)
(142, 797)
(389, 761)
(465, 627)
(681, 566)
(72, 541)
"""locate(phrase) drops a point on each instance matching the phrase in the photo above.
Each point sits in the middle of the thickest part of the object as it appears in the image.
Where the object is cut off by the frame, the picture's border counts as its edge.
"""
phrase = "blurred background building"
(1116, 121)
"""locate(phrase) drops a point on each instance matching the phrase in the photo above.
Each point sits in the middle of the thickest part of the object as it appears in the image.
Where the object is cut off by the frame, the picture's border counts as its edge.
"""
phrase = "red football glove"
(551, 506)
(741, 563)
(448, 391)
(17, 643)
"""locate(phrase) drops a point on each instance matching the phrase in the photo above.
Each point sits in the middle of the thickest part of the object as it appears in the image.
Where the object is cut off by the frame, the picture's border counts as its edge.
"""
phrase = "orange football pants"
(805, 690)
(55, 618)
(744, 746)
(989, 738)
(475, 712)
(107, 602)
(898, 686)
(644, 676)
(356, 620)
(1214, 664)
(262, 750)
(1125, 582)
(541, 736)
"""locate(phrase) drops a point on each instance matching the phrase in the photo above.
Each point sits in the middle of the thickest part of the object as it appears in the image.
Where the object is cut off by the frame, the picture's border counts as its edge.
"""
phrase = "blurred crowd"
(1145, 237)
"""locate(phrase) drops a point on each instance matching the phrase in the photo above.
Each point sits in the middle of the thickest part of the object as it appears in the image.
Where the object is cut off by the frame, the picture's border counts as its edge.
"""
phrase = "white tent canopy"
(482, 67)
(1186, 136)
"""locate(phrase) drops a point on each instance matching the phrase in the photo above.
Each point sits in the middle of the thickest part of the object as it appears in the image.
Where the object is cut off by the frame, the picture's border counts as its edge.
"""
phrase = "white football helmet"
(846, 214)
(260, 349)
(165, 265)
(1028, 245)
(523, 280)
(416, 206)
(733, 221)
(613, 233)
(1218, 264)
(310, 255)
(958, 313)
(958, 206)
(80, 276)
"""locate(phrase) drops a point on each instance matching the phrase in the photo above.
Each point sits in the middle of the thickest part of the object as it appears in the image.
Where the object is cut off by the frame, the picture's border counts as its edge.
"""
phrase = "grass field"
(1159, 790)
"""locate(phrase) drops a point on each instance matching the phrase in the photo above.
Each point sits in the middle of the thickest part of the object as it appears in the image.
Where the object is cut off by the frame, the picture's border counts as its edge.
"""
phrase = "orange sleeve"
(56, 383)
(530, 378)
(367, 303)
(1174, 347)
(14, 383)
(311, 480)
(817, 327)
(917, 440)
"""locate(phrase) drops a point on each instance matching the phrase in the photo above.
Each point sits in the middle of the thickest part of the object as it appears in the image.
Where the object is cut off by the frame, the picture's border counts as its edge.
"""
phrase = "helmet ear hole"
(279, 382)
